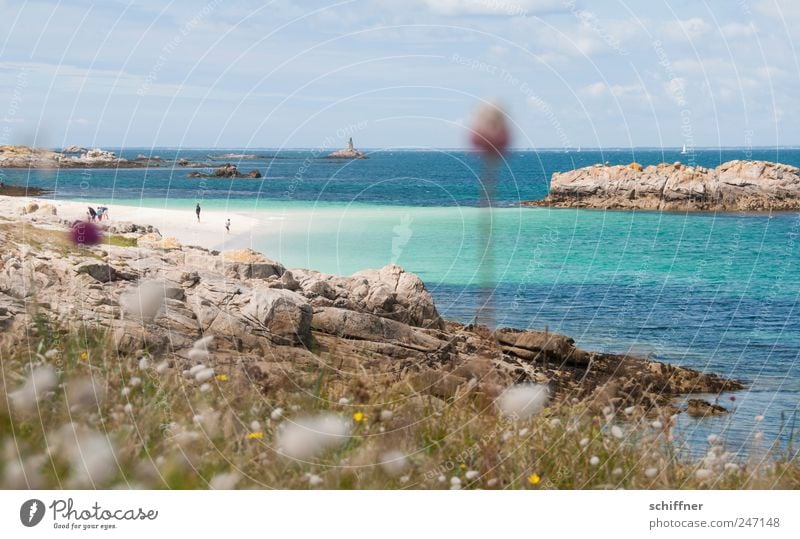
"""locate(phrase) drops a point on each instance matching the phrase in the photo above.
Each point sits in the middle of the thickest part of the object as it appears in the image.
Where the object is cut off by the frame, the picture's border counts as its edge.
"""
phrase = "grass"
(140, 421)
(119, 241)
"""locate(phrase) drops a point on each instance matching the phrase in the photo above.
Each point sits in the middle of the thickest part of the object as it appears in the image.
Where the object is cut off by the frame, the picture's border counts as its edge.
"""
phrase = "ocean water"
(716, 292)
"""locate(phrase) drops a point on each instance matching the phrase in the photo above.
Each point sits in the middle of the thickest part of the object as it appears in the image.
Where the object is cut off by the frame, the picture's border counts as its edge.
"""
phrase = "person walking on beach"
(92, 214)
(197, 211)
(228, 226)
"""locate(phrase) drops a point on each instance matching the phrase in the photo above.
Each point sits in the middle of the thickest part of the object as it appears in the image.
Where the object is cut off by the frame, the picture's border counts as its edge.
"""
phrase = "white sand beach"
(209, 232)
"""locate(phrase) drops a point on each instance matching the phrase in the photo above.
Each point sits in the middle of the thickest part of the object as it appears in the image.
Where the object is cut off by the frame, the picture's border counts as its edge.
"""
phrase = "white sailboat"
(683, 151)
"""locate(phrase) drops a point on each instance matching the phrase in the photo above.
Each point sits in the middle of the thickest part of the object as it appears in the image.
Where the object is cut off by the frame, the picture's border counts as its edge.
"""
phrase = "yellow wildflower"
(255, 436)
(222, 377)
(84, 356)
(358, 416)
(462, 466)
(534, 479)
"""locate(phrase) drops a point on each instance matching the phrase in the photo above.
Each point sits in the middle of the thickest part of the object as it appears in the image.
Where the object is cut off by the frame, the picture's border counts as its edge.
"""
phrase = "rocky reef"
(276, 323)
(732, 186)
(348, 153)
(227, 170)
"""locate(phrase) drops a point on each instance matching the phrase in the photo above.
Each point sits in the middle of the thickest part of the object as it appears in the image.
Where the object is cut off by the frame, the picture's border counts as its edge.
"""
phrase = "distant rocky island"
(70, 157)
(228, 170)
(732, 186)
(348, 153)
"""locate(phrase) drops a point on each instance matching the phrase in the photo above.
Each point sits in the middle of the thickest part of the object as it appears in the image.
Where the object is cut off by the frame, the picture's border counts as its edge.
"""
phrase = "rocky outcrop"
(732, 186)
(282, 326)
(227, 170)
(348, 153)
(26, 157)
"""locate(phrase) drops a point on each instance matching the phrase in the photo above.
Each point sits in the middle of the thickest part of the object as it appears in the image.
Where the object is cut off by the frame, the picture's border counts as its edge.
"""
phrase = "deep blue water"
(717, 292)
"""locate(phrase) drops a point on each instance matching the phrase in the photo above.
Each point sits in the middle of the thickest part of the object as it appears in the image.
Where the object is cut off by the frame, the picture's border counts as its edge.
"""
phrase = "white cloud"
(692, 28)
(737, 30)
(595, 89)
(492, 7)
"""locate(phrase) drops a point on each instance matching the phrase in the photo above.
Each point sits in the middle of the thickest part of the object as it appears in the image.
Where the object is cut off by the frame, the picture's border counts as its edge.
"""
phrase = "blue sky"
(398, 73)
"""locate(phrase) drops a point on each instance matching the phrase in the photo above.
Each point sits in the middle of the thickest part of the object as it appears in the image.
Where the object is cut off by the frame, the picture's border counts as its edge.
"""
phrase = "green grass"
(119, 241)
(176, 435)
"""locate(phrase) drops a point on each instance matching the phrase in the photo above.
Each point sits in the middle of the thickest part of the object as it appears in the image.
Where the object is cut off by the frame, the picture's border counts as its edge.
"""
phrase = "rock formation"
(277, 323)
(227, 170)
(732, 186)
(348, 153)
(26, 157)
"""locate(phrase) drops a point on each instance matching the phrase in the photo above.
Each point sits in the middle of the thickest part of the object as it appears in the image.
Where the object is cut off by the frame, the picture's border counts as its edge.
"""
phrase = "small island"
(348, 153)
(732, 186)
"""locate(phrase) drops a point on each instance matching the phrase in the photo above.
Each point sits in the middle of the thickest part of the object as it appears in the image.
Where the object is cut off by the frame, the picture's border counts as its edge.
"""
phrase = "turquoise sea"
(716, 292)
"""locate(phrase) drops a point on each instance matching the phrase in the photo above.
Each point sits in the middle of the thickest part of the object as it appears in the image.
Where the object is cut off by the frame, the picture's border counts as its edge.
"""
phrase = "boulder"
(284, 314)
(355, 325)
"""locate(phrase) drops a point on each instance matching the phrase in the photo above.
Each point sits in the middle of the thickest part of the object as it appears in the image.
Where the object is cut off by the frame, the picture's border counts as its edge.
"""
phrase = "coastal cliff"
(732, 186)
(27, 157)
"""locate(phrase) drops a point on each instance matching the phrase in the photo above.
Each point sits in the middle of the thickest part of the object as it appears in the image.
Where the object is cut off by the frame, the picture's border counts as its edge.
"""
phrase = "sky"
(398, 73)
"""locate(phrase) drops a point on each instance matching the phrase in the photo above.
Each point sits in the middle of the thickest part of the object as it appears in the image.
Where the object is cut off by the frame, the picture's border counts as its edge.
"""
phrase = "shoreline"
(209, 233)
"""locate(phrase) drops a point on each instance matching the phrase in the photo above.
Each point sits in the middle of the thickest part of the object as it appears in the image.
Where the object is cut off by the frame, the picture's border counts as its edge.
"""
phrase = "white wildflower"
(455, 483)
(255, 426)
(524, 432)
(442, 479)
(555, 422)
(405, 479)
(126, 391)
(135, 381)
(386, 415)
(594, 461)
(616, 432)
(224, 481)
(758, 436)
(314, 480)
(616, 472)
(197, 368)
(41, 380)
(759, 418)
(491, 483)
(204, 375)
(629, 410)
(162, 367)
(713, 438)
(393, 462)
(651, 472)
(657, 424)
(523, 400)
(276, 414)
(703, 474)
(128, 408)
(731, 467)
(51, 354)
(205, 388)
(471, 474)
(204, 343)
(199, 355)
(584, 442)
(90, 456)
(144, 301)
(344, 401)
(144, 363)
(309, 436)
